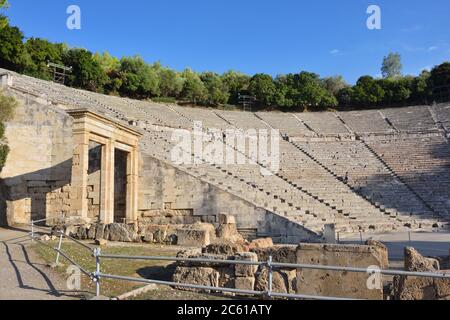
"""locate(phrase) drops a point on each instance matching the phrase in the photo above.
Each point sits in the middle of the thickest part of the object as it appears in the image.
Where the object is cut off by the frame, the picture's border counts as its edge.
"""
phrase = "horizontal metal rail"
(194, 260)
(362, 270)
(283, 265)
(97, 275)
(89, 274)
(218, 289)
(42, 228)
(46, 219)
(76, 241)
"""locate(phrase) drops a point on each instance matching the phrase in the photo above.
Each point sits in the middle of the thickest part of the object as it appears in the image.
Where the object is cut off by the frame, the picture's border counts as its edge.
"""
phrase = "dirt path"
(23, 276)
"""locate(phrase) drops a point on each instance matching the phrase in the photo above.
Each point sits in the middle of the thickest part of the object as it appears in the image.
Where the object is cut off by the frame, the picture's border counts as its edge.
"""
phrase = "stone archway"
(110, 137)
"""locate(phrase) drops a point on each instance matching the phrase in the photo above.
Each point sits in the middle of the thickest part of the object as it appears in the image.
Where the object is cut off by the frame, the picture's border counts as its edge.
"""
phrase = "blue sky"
(324, 36)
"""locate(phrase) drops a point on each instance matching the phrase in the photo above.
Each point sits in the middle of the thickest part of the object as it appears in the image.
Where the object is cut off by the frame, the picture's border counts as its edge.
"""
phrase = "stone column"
(107, 183)
(132, 187)
(80, 167)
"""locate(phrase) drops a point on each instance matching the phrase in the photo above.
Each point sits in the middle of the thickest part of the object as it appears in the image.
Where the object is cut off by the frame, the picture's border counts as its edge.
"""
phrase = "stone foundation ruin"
(312, 282)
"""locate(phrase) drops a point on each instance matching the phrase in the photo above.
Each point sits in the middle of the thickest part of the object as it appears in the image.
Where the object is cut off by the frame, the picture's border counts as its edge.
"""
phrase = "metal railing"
(97, 275)
(59, 252)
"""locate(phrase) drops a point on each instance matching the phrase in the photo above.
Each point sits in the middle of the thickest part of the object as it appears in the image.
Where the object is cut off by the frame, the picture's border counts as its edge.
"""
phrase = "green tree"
(421, 92)
(345, 97)
(312, 94)
(107, 62)
(110, 66)
(171, 83)
(303, 90)
(236, 83)
(7, 106)
(3, 20)
(440, 75)
(194, 90)
(439, 82)
(397, 91)
(392, 66)
(334, 84)
(140, 80)
(367, 92)
(40, 52)
(263, 88)
(86, 72)
(12, 50)
(285, 91)
(217, 92)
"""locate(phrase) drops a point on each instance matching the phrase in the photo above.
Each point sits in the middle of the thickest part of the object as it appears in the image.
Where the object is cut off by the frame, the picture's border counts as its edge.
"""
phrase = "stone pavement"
(427, 243)
(23, 275)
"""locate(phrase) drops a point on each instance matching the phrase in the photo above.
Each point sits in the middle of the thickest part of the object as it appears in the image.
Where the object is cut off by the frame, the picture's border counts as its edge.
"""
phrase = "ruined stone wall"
(37, 174)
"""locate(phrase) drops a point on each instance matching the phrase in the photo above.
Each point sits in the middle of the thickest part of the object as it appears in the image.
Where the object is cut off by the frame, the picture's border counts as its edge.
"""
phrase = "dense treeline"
(133, 77)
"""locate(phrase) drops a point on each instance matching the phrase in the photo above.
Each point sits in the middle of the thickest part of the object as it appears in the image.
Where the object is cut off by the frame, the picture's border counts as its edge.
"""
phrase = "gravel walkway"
(23, 275)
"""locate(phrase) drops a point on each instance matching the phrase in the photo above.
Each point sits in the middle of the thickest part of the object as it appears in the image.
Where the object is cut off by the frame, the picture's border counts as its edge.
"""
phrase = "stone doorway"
(104, 168)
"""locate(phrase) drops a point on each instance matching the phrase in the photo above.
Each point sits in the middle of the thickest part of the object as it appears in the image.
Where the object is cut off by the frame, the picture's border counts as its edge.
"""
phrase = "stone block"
(261, 243)
(198, 276)
(279, 253)
(246, 270)
(225, 248)
(415, 288)
(338, 283)
(100, 231)
(226, 219)
(193, 238)
(283, 281)
(122, 233)
(244, 283)
(229, 232)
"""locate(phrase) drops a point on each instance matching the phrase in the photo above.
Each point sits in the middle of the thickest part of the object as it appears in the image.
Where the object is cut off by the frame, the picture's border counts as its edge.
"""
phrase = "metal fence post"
(270, 284)
(59, 248)
(409, 238)
(97, 253)
(32, 230)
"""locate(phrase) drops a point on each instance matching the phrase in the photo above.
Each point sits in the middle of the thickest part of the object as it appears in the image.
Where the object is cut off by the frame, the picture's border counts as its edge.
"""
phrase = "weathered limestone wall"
(37, 173)
(168, 195)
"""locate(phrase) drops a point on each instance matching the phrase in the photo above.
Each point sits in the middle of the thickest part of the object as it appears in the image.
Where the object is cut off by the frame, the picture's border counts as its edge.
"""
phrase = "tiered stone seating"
(383, 183)
(443, 115)
(304, 171)
(161, 115)
(366, 122)
(286, 123)
(424, 165)
(324, 123)
(243, 120)
(208, 118)
(362, 170)
(411, 119)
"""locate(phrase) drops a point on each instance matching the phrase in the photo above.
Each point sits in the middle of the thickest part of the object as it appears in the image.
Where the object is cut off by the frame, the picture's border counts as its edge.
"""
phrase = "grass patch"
(155, 270)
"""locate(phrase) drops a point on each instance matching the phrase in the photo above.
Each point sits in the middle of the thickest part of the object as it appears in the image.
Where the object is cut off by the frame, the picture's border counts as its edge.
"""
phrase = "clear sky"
(324, 36)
